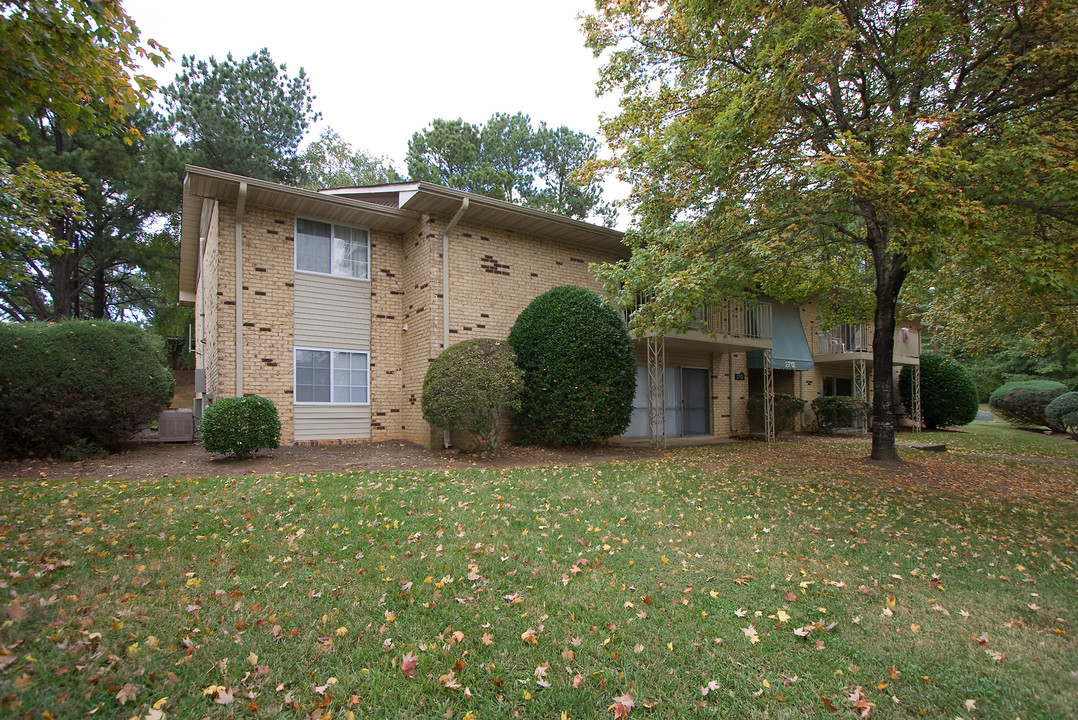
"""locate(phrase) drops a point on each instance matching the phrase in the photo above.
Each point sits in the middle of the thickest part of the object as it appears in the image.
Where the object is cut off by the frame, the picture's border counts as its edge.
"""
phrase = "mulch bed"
(151, 459)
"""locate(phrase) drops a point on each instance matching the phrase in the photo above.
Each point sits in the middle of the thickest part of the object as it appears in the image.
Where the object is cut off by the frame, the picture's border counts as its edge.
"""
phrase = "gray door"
(694, 402)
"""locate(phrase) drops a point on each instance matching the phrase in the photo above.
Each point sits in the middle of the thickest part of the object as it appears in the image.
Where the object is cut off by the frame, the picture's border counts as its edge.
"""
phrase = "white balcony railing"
(844, 339)
(858, 339)
(730, 319)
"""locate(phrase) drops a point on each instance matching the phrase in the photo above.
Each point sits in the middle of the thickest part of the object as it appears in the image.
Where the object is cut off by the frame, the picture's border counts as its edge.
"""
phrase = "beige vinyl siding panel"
(332, 422)
(332, 313)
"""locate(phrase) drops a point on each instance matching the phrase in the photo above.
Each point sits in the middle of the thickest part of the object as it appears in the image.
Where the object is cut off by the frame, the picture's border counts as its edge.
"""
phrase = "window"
(332, 376)
(837, 386)
(332, 249)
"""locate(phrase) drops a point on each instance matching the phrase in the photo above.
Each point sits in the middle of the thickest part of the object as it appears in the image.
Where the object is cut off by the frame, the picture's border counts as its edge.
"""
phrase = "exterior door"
(695, 418)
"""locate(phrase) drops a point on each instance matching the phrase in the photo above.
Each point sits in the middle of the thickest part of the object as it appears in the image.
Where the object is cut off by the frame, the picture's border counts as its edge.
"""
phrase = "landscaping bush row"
(567, 371)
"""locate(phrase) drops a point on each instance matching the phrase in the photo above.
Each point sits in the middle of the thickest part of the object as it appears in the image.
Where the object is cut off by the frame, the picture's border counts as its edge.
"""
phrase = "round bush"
(78, 387)
(471, 387)
(787, 408)
(1023, 402)
(579, 370)
(240, 426)
(1062, 413)
(948, 394)
(838, 411)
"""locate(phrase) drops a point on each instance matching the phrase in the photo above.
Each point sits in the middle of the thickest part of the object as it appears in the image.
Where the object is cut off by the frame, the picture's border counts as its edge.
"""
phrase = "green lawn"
(737, 581)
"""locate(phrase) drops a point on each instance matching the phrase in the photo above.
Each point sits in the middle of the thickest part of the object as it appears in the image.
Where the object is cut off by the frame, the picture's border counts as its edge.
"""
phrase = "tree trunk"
(890, 272)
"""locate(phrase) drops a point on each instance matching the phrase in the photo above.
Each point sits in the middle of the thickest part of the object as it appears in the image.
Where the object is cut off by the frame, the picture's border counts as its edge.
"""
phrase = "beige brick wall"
(267, 301)
(387, 323)
(206, 309)
(494, 274)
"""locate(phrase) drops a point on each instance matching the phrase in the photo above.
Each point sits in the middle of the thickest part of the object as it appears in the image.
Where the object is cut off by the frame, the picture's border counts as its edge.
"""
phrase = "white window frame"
(365, 353)
(332, 248)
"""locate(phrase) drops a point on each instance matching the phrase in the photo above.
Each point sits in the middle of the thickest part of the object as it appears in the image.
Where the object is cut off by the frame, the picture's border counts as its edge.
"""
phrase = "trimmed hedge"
(1062, 414)
(787, 408)
(470, 387)
(948, 394)
(240, 426)
(78, 387)
(838, 411)
(579, 369)
(1023, 402)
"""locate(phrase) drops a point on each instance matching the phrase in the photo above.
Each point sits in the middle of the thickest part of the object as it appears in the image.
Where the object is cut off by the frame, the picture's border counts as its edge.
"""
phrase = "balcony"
(731, 325)
(852, 342)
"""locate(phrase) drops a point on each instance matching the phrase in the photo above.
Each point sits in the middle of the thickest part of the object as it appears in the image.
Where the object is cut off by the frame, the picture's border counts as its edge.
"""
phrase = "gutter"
(241, 202)
(445, 289)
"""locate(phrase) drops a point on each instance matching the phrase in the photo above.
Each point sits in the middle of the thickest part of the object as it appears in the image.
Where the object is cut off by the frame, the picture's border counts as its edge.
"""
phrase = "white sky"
(381, 71)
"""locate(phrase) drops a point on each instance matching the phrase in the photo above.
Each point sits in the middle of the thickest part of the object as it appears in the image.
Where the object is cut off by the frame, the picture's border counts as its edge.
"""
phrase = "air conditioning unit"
(176, 426)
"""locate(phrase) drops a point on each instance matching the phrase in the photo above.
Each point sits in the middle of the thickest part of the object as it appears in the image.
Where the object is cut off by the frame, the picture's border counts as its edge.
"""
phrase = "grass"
(918, 588)
(1000, 439)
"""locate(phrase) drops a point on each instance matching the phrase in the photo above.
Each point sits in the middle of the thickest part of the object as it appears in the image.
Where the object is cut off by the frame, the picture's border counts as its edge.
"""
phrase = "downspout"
(241, 201)
(445, 290)
(730, 399)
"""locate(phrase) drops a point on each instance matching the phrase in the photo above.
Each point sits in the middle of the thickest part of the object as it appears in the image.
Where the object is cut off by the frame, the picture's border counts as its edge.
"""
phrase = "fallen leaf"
(408, 664)
(127, 692)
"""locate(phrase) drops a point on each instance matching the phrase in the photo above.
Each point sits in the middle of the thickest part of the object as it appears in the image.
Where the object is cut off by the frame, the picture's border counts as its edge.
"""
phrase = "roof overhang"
(432, 199)
(201, 185)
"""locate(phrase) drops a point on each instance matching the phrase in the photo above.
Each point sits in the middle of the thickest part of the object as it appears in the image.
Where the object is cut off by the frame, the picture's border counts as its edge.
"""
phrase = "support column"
(657, 390)
(769, 395)
(860, 390)
(915, 411)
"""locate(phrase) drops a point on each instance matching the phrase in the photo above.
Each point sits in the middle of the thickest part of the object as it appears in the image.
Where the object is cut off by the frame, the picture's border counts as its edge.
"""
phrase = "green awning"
(790, 349)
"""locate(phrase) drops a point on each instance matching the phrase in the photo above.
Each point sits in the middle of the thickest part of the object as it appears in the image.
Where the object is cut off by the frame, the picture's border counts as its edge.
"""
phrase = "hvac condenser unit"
(176, 426)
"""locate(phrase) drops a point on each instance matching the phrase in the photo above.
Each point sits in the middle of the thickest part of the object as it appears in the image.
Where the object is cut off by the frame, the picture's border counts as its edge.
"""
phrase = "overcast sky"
(381, 71)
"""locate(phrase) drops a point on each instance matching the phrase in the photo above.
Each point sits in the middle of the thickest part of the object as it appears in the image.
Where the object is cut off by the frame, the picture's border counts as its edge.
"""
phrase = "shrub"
(787, 408)
(1062, 414)
(240, 426)
(470, 387)
(77, 387)
(579, 370)
(838, 411)
(1023, 402)
(948, 394)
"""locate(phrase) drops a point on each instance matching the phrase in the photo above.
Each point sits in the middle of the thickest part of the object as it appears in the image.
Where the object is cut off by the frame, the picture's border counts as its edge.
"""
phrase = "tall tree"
(89, 265)
(72, 64)
(509, 159)
(818, 141)
(247, 116)
(449, 153)
(330, 161)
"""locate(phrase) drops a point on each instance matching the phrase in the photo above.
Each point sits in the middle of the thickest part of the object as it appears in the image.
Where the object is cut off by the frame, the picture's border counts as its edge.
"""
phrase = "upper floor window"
(332, 249)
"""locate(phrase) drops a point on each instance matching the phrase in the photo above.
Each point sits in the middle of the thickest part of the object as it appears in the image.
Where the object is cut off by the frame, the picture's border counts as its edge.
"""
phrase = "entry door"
(695, 418)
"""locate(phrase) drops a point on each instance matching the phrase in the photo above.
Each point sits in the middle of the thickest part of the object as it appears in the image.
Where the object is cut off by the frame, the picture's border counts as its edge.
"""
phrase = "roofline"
(495, 204)
(376, 208)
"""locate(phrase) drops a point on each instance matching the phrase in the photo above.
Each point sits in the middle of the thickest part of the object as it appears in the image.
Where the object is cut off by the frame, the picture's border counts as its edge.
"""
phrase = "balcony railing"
(844, 339)
(730, 318)
(858, 339)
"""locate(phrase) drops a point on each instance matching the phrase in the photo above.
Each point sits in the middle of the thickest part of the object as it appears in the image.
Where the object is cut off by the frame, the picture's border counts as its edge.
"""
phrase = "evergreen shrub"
(240, 426)
(787, 408)
(471, 387)
(1062, 414)
(1024, 402)
(949, 396)
(838, 411)
(579, 369)
(78, 387)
